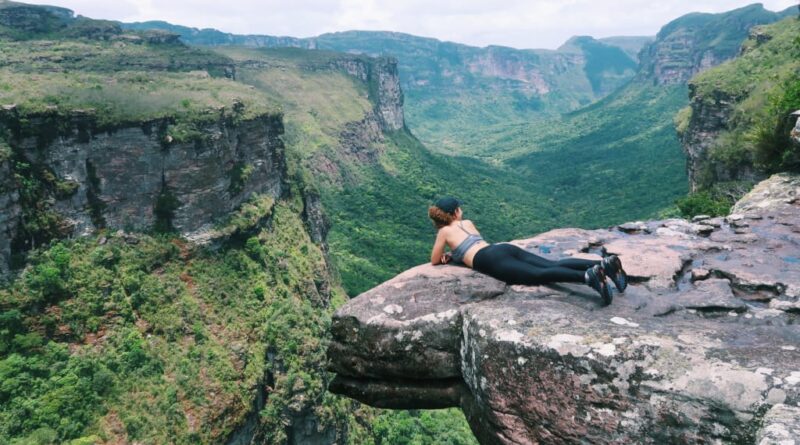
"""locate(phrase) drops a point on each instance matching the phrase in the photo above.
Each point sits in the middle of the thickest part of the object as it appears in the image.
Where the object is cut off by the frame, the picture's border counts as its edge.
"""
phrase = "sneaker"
(596, 279)
(612, 266)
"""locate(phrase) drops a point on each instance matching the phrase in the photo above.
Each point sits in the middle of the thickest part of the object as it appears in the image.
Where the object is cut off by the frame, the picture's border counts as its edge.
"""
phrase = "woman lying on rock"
(513, 264)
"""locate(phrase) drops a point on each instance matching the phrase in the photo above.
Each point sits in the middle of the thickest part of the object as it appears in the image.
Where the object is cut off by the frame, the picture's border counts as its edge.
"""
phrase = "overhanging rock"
(703, 347)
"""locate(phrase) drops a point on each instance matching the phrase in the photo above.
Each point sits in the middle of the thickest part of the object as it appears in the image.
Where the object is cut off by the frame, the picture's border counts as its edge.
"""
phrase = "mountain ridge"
(464, 85)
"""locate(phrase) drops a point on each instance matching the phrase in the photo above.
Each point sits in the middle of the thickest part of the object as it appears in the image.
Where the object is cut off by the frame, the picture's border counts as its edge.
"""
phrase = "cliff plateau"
(738, 125)
(702, 347)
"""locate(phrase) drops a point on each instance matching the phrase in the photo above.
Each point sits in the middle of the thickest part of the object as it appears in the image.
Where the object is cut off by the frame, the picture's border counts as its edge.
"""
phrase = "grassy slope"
(765, 84)
(122, 82)
(615, 161)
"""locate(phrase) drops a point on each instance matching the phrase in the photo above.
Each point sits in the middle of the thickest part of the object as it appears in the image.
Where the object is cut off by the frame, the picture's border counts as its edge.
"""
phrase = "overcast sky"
(516, 23)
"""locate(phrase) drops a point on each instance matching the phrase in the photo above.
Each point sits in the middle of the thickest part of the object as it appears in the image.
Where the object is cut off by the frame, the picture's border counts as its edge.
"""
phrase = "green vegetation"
(445, 427)
(379, 207)
(114, 99)
(703, 203)
(5, 151)
(764, 86)
(250, 216)
(139, 338)
(454, 89)
(614, 161)
(63, 55)
(39, 222)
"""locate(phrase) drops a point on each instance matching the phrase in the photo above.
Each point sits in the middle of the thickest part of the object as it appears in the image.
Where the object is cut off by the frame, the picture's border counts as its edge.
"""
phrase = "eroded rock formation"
(130, 176)
(703, 347)
(383, 83)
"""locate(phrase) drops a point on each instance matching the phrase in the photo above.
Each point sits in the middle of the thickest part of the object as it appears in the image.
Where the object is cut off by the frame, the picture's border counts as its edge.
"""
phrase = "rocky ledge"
(703, 347)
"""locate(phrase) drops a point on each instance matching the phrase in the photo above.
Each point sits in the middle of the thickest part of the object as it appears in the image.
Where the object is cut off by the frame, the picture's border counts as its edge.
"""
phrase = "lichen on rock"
(679, 357)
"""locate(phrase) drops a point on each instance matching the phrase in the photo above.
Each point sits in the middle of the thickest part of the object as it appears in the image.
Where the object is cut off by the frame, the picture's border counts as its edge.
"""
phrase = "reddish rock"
(676, 359)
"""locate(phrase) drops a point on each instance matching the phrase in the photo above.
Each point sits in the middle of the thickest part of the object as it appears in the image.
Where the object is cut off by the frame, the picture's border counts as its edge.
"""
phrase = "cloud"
(517, 23)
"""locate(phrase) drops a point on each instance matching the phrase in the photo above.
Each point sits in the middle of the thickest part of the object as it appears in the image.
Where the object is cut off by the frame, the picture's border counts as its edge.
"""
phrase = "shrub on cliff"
(770, 135)
(703, 203)
(757, 91)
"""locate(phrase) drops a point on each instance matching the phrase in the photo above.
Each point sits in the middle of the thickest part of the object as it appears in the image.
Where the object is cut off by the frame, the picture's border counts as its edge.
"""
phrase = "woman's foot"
(596, 279)
(612, 266)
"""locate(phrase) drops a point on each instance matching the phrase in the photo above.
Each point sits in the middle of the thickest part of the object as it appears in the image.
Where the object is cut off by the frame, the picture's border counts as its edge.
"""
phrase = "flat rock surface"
(703, 347)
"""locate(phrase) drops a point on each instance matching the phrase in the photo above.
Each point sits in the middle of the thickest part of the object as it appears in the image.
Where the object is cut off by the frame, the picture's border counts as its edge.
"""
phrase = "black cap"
(448, 204)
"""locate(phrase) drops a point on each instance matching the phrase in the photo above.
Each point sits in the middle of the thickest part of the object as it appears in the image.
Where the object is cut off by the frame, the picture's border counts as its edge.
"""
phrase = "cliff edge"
(703, 345)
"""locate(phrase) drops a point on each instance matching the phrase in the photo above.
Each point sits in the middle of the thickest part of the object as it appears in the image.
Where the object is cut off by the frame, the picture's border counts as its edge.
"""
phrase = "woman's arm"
(437, 255)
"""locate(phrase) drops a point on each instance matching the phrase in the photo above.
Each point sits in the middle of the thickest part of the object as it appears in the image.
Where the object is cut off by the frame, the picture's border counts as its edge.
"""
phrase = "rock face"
(698, 349)
(697, 41)
(9, 213)
(714, 125)
(132, 176)
(383, 80)
(709, 118)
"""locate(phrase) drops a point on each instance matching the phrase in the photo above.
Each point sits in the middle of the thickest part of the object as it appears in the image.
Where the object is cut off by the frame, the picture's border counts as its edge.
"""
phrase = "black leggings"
(515, 265)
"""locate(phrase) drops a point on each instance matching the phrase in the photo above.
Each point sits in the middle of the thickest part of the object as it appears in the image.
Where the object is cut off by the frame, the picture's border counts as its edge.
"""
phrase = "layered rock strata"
(383, 81)
(703, 347)
(131, 176)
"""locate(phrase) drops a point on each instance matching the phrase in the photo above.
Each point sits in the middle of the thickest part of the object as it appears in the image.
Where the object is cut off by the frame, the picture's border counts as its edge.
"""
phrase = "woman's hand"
(446, 258)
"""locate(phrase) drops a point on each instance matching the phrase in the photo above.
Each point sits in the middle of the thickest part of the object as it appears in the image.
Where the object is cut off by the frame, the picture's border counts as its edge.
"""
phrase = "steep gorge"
(169, 279)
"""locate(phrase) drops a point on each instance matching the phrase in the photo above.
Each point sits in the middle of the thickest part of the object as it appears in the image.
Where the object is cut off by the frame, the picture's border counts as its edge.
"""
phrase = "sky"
(515, 23)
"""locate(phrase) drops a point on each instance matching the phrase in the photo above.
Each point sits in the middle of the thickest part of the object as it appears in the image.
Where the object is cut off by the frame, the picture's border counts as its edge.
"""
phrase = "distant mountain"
(603, 63)
(698, 41)
(213, 37)
(630, 44)
(620, 157)
(454, 88)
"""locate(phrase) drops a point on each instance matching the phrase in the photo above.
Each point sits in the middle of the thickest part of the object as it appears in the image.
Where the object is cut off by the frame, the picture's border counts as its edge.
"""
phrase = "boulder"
(701, 348)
